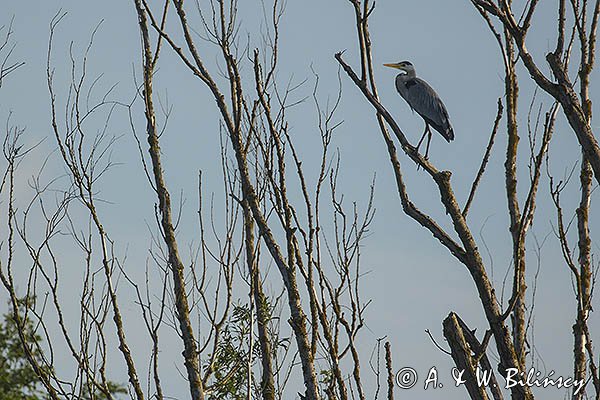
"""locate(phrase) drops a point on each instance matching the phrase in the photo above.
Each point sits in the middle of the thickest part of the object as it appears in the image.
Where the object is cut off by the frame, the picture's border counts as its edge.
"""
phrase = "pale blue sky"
(414, 282)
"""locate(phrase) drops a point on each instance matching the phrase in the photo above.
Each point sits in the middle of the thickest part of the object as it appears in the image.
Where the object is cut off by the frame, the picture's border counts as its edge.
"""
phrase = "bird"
(424, 100)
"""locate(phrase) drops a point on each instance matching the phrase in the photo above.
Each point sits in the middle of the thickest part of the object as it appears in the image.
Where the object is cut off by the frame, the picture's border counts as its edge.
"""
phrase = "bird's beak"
(393, 65)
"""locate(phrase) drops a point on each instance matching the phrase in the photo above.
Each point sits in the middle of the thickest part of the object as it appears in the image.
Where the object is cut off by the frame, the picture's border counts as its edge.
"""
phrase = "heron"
(424, 100)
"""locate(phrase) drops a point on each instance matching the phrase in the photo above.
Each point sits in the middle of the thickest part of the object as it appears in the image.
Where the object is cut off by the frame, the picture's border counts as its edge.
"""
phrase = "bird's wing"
(425, 101)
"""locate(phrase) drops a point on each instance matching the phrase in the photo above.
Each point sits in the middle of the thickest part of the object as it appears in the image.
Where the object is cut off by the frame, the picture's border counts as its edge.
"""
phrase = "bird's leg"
(428, 134)
(428, 142)
(421, 141)
(422, 137)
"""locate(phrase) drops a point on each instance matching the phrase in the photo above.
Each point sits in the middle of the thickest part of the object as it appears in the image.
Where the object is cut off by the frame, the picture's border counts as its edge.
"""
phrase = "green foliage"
(231, 358)
(18, 380)
(326, 377)
(113, 388)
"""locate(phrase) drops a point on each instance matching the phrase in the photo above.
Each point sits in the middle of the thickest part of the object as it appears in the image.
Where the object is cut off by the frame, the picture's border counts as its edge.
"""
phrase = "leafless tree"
(318, 267)
(227, 308)
(510, 339)
(7, 46)
(580, 31)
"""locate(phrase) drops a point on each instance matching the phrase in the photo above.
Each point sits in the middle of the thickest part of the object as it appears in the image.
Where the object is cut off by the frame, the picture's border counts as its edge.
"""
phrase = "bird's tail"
(449, 134)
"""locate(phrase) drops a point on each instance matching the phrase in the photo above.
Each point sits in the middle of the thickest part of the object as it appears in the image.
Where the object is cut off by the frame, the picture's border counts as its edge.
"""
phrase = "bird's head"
(405, 66)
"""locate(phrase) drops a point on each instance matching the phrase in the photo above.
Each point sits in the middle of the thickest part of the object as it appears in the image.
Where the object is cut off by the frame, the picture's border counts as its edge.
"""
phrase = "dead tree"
(576, 31)
(582, 29)
(509, 336)
(318, 268)
(253, 116)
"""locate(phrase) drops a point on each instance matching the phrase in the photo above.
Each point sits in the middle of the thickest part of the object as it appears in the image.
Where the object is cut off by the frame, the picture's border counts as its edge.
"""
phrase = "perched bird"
(424, 100)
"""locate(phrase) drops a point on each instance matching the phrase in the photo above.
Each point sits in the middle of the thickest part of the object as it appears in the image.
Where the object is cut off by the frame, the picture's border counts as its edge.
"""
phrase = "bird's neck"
(408, 75)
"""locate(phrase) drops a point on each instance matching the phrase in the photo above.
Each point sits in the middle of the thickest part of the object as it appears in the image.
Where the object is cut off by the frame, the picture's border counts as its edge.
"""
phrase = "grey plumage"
(423, 99)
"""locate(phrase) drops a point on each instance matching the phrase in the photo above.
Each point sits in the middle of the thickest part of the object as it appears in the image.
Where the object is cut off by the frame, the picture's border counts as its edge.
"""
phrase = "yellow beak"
(393, 65)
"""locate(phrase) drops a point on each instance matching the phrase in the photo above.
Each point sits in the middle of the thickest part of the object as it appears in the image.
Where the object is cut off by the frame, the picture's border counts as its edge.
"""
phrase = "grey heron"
(424, 100)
